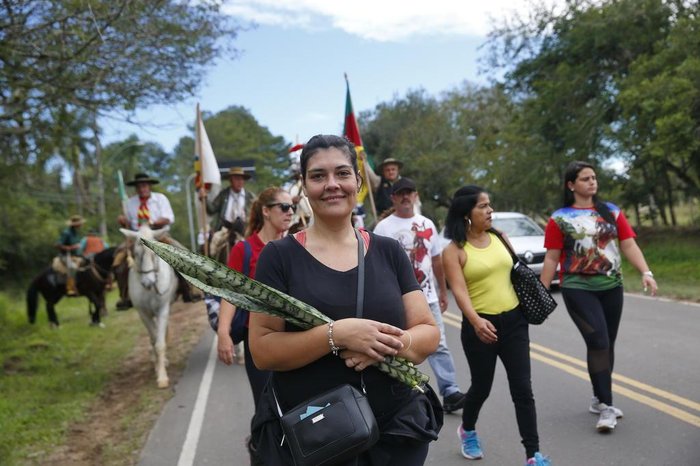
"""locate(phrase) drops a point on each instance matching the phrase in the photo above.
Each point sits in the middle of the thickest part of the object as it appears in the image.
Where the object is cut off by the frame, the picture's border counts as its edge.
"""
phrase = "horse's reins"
(95, 269)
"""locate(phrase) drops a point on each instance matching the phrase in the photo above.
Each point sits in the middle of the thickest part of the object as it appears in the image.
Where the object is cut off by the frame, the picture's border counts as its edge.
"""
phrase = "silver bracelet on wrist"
(331, 343)
(648, 273)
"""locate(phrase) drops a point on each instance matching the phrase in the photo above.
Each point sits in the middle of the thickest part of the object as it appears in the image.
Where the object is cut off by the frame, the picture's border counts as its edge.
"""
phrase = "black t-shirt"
(287, 266)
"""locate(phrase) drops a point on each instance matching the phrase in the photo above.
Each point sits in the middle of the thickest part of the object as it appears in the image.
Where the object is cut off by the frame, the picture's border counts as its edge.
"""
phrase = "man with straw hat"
(68, 244)
(231, 207)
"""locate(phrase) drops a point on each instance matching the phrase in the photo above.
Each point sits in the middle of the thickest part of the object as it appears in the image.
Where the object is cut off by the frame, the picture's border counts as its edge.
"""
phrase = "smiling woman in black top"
(319, 266)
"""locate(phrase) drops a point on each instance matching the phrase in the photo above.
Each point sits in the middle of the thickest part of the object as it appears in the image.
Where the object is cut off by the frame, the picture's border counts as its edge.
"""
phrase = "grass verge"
(673, 256)
(49, 377)
(81, 395)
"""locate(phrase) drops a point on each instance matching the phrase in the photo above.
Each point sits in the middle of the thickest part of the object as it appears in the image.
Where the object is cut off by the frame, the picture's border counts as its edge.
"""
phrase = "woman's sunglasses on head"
(284, 207)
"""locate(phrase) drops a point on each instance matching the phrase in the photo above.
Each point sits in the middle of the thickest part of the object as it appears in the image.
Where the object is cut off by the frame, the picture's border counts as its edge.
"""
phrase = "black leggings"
(513, 347)
(597, 315)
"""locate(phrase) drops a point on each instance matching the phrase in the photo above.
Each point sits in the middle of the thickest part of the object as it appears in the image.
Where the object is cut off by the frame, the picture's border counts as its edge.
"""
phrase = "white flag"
(205, 154)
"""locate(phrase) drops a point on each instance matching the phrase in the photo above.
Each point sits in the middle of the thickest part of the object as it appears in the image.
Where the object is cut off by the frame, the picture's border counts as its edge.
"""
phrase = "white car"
(525, 235)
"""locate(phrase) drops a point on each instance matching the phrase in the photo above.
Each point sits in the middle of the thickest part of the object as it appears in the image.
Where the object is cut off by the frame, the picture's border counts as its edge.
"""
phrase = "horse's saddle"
(60, 266)
(219, 241)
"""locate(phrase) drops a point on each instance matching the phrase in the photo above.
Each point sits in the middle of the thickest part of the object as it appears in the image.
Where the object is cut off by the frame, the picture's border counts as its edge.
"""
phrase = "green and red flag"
(352, 131)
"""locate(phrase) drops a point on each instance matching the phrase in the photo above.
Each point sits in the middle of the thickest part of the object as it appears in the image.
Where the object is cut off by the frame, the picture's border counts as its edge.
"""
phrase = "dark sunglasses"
(284, 207)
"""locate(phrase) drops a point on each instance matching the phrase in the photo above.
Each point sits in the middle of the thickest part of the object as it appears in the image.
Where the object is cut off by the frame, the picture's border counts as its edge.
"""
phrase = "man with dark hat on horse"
(230, 207)
(153, 209)
(68, 244)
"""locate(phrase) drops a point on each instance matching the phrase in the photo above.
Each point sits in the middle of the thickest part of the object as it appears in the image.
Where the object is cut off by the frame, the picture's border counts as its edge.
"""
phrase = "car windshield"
(522, 226)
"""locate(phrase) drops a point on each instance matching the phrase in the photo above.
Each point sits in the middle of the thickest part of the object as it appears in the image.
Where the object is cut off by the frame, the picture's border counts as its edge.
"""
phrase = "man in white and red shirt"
(153, 209)
(419, 238)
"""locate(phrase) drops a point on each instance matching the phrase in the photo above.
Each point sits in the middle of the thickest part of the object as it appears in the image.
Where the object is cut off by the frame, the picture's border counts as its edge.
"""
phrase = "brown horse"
(90, 281)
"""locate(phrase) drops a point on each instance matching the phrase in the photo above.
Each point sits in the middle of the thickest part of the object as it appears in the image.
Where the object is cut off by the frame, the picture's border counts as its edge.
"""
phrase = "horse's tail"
(32, 300)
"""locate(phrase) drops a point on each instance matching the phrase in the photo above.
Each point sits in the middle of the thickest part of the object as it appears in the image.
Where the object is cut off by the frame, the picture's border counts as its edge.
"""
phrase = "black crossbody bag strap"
(360, 287)
(360, 273)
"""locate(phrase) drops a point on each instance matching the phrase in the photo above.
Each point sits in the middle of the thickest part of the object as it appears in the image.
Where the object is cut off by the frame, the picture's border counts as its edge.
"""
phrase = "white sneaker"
(596, 407)
(607, 420)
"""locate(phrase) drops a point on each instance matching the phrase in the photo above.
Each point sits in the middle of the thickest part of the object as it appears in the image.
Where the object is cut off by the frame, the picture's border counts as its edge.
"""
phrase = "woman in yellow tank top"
(477, 267)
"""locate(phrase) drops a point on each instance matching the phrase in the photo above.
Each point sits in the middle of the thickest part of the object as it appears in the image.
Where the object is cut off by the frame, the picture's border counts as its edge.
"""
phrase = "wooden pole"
(202, 189)
(370, 191)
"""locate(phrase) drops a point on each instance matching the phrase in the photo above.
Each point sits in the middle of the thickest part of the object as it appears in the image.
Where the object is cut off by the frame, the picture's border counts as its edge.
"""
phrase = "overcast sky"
(290, 70)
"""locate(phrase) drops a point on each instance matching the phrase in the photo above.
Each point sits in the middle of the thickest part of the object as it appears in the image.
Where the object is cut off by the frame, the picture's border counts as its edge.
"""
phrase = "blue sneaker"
(471, 447)
(538, 460)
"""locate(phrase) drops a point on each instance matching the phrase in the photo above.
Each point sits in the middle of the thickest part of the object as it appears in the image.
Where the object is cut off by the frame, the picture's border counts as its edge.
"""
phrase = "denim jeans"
(441, 360)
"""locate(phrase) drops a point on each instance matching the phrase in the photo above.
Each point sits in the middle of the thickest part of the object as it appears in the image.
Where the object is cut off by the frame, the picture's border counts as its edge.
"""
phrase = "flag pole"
(122, 192)
(370, 191)
(202, 189)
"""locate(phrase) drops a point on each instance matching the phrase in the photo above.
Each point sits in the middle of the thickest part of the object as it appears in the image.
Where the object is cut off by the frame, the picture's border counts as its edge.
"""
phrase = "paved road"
(657, 387)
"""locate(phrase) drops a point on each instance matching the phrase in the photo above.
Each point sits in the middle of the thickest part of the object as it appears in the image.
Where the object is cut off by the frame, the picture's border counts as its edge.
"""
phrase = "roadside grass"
(674, 257)
(49, 378)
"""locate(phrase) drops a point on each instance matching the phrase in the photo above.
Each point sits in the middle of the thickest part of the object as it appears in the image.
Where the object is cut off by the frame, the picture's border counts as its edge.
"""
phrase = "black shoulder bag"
(535, 301)
(337, 425)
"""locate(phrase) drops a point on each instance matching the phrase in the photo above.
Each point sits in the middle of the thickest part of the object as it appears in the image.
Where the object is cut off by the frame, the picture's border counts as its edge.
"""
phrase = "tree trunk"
(78, 182)
(101, 210)
(669, 196)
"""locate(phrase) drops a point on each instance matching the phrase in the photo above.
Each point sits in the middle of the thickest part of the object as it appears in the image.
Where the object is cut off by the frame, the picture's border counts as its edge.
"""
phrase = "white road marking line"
(189, 447)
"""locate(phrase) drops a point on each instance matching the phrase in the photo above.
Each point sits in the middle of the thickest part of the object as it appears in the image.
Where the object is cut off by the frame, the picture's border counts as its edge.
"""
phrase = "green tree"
(64, 65)
(661, 105)
(601, 81)
(235, 134)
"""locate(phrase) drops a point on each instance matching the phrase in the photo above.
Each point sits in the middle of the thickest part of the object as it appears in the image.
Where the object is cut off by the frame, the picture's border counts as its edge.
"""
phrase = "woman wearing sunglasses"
(270, 217)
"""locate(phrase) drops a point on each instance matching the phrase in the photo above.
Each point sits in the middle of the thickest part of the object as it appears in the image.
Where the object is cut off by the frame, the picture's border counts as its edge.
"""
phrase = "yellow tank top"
(487, 274)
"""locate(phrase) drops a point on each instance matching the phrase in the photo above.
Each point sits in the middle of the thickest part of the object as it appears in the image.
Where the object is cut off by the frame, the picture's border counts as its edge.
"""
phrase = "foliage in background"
(63, 65)
(616, 83)
(235, 134)
(613, 82)
(672, 255)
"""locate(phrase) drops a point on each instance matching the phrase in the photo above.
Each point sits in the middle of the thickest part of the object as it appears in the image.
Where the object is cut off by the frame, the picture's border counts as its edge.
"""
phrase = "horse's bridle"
(155, 269)
(156, 265)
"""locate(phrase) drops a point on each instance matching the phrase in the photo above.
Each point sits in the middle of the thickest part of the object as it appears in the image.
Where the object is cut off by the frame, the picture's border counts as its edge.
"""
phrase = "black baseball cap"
(403, 184)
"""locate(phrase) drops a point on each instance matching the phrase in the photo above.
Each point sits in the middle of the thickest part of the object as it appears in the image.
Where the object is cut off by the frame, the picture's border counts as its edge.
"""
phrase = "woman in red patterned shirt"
(582, 237)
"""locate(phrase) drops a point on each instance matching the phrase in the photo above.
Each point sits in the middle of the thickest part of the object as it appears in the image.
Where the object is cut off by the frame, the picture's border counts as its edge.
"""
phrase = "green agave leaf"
(240, 290)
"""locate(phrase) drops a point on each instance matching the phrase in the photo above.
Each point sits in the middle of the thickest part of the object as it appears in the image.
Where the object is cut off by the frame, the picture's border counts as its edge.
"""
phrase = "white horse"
(152, 288)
